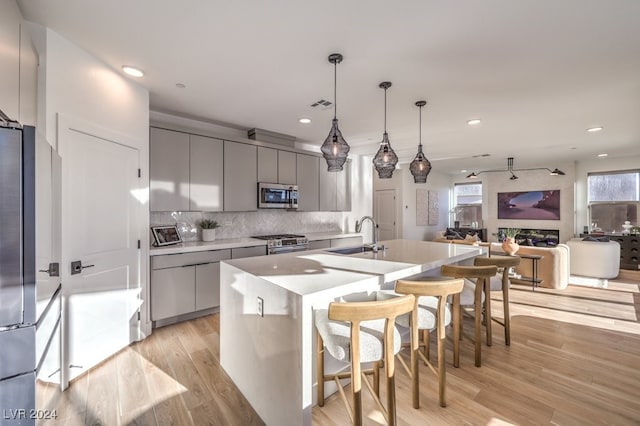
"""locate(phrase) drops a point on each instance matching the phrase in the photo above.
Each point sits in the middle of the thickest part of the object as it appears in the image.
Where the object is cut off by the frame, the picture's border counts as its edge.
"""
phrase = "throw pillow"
(474, 238)
(604, 239)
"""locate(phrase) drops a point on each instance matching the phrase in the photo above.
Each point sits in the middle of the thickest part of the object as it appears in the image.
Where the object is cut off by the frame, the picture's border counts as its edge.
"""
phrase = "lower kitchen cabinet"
(185, 283)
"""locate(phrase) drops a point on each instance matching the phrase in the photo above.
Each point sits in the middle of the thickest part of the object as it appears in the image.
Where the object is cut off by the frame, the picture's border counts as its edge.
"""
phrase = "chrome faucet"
(359, 223)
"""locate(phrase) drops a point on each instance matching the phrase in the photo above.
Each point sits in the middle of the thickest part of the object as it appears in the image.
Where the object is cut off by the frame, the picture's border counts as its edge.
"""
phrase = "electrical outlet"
(260, 307)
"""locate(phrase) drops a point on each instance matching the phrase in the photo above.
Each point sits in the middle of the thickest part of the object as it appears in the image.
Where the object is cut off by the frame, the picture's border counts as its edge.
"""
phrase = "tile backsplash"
(245, 224)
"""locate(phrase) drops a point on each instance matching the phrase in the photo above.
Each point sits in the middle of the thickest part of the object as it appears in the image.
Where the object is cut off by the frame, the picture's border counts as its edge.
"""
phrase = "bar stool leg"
(478, 323)
(507, 315)
(320, 369)
(456, 316)
(487, 308)
(356, 376)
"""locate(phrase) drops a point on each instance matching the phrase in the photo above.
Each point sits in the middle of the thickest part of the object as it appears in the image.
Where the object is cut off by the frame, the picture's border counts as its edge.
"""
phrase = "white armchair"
(594, 259)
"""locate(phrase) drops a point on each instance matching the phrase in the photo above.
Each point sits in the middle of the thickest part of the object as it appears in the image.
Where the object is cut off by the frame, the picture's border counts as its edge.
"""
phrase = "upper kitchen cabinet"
(240, 177)
(169, 170)
(287, 167)
(276, 166)
(206, 174)
(10, 59)
(308, 178)
(267, 165)
(335, 189)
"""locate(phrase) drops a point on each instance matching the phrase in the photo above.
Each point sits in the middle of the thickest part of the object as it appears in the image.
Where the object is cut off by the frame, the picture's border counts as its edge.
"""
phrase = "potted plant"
(509, 245)
(208, 227)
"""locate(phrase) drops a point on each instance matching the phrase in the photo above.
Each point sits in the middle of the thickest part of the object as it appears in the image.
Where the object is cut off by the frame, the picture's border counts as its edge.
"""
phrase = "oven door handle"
(287, 249)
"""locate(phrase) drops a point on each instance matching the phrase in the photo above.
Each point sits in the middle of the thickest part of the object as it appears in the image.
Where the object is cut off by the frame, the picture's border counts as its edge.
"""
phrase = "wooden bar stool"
(430, 312)
(360, 332)
(480, 293)
(500, 284)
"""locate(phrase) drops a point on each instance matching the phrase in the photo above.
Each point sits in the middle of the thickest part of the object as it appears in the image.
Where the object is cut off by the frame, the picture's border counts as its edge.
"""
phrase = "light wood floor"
(574, 359)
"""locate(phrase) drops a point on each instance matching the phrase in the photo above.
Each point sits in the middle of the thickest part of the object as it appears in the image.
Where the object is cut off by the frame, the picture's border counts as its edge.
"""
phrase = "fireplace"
(534, 237)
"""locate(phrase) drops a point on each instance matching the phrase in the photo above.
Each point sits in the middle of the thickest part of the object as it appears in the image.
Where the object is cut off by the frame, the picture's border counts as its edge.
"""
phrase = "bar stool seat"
(358, 332)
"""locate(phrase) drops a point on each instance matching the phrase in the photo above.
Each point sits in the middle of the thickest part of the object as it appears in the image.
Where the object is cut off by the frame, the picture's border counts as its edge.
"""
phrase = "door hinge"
(138, 244)
(138, 315)
(139, 173)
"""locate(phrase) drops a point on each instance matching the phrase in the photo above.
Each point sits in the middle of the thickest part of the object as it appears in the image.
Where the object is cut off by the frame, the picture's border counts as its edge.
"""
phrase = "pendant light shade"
(386, 159)
(335, 149)
(420, 166)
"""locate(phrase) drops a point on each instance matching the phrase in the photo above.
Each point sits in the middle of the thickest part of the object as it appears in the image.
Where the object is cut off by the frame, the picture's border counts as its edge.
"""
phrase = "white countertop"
(193, 246)
(318, 270)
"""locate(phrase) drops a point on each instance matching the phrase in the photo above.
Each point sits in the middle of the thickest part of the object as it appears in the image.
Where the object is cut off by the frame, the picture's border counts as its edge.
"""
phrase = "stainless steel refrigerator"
(30, 293)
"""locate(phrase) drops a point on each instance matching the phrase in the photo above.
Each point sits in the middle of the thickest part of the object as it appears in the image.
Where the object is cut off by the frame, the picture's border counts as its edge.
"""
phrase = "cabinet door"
(206, 174)
(207, 286)
(168, 170)
(287, 167)
(343, 188)
(172, 292)
(267, 165)
(308, 176)
(240, 177)
(319, 244)
(328, 189)
(238, 253)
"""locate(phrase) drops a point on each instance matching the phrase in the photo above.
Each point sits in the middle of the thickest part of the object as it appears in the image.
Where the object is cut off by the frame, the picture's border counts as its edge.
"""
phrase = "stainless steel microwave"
(277, 196)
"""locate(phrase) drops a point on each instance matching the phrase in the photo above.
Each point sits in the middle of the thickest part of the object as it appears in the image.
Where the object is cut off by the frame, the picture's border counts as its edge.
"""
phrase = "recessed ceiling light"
(132, 71)
(463, 171)
(602, 155)
(305, 120)
(474, 122)
(595, 129)
(180, 86)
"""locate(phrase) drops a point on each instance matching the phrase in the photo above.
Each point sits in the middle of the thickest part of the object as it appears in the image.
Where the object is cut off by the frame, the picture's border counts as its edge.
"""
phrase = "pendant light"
(335, 149)
(420, 166)
(386, 159)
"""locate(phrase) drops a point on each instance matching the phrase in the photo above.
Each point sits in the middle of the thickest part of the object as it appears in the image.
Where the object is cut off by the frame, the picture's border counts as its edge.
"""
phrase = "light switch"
(260, 307)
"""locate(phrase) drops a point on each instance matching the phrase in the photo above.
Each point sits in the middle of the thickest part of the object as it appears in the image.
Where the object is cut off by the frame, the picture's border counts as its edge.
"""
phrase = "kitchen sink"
(351, 250)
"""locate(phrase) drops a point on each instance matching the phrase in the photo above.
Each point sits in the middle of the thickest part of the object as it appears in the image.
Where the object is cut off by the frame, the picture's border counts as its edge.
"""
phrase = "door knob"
(76, 267)
(53, 271)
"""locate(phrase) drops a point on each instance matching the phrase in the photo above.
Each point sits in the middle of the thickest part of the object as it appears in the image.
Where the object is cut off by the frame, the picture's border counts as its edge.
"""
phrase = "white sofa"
(594, 259)
(553, 268)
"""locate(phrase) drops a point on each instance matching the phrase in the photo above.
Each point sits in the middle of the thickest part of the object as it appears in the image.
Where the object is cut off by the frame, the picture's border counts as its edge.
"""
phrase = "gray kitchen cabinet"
(308, 180)
(335, 189)
(207, 286)
(319, 244)
(172, 292)
(346, 242)
(168, 170)
(185, 283)
(287, 167)
(206, 174)
(328, 190)
(240, 252)
(343, 188)
(10, 19)
(267, 165)
(240, 177)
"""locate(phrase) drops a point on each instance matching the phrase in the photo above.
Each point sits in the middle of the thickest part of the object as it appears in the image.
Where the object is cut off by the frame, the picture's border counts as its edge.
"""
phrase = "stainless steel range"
(284, 243)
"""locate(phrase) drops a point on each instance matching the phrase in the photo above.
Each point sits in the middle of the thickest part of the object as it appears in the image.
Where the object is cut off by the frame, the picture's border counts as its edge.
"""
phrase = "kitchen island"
(266, 318)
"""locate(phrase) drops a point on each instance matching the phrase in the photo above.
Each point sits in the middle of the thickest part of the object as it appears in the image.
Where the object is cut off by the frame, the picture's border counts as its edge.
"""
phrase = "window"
(467, 201)
(614, 197)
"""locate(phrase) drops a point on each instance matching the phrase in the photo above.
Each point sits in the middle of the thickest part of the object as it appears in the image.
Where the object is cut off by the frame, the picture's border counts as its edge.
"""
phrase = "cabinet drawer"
(237, 253)
(172, 292)
(319, 244)
(346, 242)
(186, 259)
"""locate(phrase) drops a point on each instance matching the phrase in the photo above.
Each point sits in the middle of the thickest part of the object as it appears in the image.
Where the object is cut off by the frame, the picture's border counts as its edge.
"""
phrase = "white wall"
(435, 182)
(605, 164)
(533, 180)
(361, 195)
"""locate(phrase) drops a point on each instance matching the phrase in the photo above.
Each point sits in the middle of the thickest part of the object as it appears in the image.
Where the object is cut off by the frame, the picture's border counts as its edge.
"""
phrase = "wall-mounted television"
(532, 205)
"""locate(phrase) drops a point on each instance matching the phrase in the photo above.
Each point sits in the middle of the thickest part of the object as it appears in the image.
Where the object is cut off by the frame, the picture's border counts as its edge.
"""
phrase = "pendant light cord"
(335, 96)
(385, 110)
(420, 129)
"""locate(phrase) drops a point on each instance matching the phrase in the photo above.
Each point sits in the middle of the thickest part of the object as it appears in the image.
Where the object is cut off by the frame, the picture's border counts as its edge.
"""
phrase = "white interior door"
(385, 213)
(99, 229)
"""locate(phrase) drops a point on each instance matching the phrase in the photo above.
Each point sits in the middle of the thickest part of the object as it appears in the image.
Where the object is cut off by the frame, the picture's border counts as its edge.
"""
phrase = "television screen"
(534, 205)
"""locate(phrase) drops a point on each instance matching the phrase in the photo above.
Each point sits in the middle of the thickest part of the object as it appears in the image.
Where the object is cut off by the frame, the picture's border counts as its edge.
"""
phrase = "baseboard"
(588, 281)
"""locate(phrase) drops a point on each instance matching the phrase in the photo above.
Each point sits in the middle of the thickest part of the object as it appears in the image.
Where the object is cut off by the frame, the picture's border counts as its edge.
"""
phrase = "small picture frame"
(165, 235)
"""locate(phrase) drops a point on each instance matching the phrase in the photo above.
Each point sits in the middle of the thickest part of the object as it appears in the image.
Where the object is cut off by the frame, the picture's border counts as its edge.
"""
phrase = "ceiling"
(538, 73)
